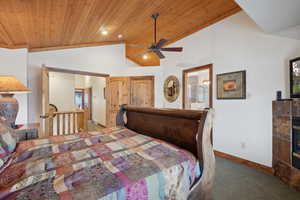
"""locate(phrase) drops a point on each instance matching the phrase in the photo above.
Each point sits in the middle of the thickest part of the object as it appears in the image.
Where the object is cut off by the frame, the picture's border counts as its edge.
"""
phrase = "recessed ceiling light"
(145, 57)
(104, 32)
(120, 36)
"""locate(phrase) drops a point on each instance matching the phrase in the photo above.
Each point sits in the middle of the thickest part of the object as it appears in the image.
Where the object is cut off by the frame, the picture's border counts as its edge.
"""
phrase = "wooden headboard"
(187, 129)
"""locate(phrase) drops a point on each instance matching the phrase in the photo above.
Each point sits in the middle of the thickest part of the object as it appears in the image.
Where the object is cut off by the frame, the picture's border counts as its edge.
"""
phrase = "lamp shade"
(10, 85)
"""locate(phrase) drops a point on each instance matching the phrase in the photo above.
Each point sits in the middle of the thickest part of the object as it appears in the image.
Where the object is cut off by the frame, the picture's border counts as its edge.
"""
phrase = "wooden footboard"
(187, 129)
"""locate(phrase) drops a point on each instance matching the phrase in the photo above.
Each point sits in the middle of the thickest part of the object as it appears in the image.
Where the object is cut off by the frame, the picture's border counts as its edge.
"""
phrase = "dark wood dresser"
(286, 141)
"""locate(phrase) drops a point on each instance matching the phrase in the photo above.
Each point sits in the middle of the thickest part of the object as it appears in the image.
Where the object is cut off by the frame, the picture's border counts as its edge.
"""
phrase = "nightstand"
(27, 132)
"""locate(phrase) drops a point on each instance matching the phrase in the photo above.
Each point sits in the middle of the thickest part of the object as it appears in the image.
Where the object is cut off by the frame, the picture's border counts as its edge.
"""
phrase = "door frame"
(109, 94)
(184, 81)
(151, 78)
(45, 92)
(90, 101)
(82, 98)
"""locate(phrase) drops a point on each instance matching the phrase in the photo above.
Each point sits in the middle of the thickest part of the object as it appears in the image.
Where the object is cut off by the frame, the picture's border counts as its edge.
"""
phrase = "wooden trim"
(75, 46)
(107, 100)
(45, 101)
(135, 61)
(244, 162)
(90, 102)
(17, 46)
(68, 112)
(142, 64)
(150, 77)
(53, 69)
(184, 73)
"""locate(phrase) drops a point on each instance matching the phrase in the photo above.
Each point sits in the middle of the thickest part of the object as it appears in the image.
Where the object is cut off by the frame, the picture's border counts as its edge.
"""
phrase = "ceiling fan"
(156, 47)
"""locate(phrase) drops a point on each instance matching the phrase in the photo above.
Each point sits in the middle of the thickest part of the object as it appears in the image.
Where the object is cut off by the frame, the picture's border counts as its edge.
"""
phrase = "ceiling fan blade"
(161, 42)
(159, 54)
(138, 46)
(178, 49)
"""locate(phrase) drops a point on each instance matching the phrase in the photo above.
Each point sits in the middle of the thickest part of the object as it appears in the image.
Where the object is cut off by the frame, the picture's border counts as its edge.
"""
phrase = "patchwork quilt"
(115, 163)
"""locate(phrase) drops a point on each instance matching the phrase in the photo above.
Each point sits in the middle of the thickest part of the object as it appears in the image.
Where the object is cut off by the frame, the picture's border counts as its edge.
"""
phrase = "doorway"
(88, 102)
(79, 98)
(83, 100)
(197, 87)
(134, 90)
(76, 95)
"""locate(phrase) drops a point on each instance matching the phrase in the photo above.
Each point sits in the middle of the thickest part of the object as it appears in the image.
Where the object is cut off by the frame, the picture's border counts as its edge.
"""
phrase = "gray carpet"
(238, 182)
(92, 126)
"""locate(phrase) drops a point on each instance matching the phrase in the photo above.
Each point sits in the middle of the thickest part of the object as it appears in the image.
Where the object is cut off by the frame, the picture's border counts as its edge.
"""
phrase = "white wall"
(62, 90)
(14, 63)
(99, 103)
(79, 81)
(233, 44)
(103, 59)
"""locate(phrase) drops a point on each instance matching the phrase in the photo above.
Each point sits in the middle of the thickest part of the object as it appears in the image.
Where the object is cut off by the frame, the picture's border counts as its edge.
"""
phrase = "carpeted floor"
(238, 182)
(93, 126)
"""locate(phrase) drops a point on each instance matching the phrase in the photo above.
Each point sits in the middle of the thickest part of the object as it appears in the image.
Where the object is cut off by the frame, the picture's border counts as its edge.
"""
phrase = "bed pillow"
(7, 143)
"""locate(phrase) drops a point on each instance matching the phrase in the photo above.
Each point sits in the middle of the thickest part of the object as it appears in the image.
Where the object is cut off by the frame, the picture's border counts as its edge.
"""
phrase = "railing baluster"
(51, 126)
(64, 123)
(58, 124)
(74, 122)
(69, 123)
(64, 120)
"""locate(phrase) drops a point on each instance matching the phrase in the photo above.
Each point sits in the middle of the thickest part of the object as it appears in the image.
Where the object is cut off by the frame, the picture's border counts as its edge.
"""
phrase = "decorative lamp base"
(9, 108)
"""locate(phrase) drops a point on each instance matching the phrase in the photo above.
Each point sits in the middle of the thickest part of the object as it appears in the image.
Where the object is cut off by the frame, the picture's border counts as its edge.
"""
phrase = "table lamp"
(9, 106)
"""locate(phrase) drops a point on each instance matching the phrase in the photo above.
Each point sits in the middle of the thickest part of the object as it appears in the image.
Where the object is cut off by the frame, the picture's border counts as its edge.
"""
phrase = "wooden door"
(88, 102)
(45, 103)
(142, 91)
(118, 94)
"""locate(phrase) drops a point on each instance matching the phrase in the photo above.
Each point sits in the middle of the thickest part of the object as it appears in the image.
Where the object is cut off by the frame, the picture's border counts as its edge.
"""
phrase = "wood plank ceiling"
(57, 24)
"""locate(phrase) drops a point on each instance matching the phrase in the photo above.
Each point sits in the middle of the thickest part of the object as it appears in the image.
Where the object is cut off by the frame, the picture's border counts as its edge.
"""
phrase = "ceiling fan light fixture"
(120, 36)
(104, 32)
(157, 46)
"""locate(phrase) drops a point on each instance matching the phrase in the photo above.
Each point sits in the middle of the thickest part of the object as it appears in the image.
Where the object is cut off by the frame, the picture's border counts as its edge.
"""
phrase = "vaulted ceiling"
(58, 24)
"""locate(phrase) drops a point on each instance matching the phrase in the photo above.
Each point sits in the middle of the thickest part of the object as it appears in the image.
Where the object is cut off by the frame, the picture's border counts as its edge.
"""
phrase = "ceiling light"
(104, 32)
(145, 57)
(120, 36)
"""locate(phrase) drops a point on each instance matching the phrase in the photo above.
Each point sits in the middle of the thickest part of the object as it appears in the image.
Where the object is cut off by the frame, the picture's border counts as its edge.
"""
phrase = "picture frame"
(295, 78)
(231, 85)
(171, 88)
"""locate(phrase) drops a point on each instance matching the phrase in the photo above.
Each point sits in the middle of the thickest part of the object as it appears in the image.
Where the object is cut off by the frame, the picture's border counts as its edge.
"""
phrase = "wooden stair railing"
(67, 122)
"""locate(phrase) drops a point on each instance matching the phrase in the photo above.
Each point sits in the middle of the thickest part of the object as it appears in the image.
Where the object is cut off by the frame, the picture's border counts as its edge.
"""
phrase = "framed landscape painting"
(231, 85)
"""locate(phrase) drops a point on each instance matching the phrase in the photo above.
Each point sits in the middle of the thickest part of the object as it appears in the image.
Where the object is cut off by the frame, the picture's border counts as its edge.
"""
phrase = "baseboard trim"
(247, 163)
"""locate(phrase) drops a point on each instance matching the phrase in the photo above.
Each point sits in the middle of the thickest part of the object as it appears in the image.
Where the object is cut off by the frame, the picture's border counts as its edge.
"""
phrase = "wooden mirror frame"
(184, 82)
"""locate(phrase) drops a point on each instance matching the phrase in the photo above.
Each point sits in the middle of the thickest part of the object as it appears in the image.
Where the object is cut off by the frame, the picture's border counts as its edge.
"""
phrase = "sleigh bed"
(151, 154)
